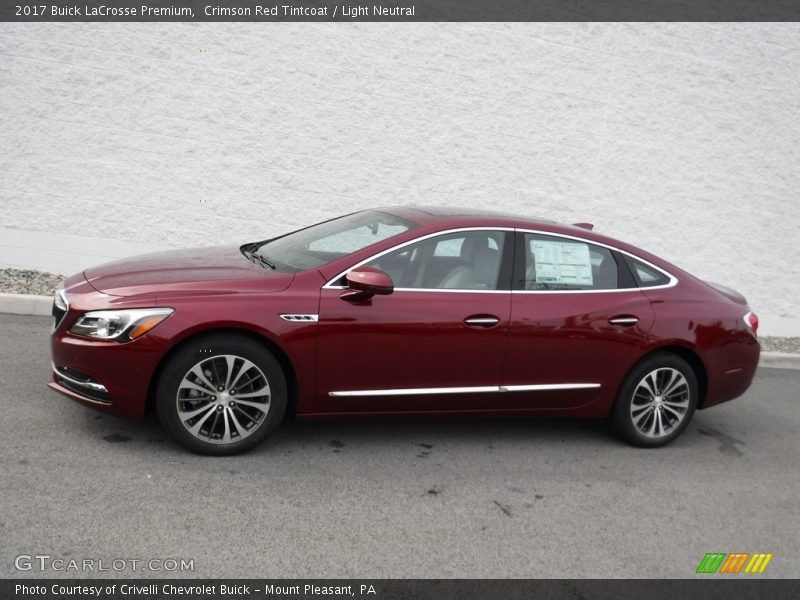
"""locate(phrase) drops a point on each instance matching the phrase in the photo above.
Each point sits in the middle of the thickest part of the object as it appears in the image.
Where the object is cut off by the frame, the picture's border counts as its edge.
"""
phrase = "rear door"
(437, 343)
(577, 322)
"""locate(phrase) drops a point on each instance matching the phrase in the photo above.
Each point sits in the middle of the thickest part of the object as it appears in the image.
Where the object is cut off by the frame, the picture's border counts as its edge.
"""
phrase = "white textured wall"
(684, 139)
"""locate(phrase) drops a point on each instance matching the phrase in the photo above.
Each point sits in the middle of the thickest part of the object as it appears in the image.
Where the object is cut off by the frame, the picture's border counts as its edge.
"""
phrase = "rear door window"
(563, 264)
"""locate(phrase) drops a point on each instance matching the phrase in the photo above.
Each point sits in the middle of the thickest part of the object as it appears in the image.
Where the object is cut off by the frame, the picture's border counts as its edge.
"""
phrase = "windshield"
(320, 244)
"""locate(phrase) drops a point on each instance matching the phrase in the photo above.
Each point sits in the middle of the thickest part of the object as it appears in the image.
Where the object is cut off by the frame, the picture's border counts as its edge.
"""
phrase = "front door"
(437, 343)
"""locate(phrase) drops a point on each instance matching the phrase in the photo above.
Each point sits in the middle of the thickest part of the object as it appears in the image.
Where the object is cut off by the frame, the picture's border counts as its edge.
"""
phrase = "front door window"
(463, 260)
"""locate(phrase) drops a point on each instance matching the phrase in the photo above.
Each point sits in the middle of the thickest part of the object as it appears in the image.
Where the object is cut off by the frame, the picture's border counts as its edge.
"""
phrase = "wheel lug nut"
(220, 388)
(231, 404)
(233, 392)
(213, 397)
(219, 408)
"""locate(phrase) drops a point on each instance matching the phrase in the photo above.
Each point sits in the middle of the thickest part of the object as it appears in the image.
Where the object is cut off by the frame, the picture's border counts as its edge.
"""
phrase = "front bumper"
(115, 377)
(57, 385)
(106, 375)
(81, 384)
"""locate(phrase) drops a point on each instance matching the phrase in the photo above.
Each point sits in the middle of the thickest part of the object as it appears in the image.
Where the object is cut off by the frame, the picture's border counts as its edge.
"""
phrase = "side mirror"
(365, 282)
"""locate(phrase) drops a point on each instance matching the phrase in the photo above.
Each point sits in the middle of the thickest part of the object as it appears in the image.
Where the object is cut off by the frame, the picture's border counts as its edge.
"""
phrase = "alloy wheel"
(660, 402)
(223, 399)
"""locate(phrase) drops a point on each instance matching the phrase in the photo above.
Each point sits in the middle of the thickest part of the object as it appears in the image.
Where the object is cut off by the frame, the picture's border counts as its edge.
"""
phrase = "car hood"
(219, 269)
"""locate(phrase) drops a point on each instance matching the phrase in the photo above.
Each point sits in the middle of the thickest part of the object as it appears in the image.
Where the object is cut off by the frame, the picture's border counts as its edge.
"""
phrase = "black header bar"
(399, 10)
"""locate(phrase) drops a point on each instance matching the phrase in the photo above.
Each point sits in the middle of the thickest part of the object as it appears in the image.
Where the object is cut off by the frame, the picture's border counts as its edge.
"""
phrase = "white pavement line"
(26, 304)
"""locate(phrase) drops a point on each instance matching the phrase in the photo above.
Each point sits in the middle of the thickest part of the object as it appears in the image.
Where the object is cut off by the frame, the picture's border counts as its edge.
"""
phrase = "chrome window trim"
(447, 291)
(673, 281)
(539, 387)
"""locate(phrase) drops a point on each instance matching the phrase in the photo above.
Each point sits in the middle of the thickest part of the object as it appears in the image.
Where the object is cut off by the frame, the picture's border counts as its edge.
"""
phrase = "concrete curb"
(779, 360)
(25, 304)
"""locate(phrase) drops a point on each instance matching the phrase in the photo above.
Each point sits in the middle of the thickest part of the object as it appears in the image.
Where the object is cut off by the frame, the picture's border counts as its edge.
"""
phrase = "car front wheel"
(221, 394)
(656, 401)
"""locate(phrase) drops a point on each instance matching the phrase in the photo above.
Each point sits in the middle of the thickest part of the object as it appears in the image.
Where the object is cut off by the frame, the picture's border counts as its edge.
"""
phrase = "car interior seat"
(605, 275)
(480, 270)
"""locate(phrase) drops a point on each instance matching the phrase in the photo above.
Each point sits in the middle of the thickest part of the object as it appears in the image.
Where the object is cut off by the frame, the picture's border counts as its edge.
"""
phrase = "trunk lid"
(730, 294)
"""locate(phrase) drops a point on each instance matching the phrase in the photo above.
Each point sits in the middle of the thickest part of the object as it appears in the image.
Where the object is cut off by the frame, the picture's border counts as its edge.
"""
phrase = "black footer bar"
(718, 588)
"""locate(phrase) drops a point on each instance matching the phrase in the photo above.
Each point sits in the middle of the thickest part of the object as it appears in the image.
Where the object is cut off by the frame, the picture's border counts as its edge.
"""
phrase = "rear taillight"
(751, 320)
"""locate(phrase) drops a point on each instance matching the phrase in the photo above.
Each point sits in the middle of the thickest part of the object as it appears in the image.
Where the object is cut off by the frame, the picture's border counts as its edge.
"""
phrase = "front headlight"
(119, 325)
(60, 299)
(60, 306)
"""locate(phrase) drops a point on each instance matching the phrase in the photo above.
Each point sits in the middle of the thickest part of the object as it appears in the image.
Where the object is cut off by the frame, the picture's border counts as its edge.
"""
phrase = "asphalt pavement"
(460, 498)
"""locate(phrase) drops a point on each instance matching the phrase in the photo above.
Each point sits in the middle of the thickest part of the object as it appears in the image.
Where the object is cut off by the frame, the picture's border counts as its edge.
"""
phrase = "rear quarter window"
(645, 275)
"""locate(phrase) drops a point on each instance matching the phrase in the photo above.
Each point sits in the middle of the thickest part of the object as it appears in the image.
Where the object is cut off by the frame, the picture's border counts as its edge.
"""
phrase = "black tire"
(216, 347)
(623, 417)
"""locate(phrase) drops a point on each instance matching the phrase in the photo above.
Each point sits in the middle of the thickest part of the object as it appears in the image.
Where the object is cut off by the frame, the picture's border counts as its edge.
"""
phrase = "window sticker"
(562, 263)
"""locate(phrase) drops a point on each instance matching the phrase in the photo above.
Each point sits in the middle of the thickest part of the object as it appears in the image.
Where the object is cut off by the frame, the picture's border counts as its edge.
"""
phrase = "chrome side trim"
(466, 390)
(97, 387)
(548, 387)
(301, 317)
(418, 391)
(673, 281)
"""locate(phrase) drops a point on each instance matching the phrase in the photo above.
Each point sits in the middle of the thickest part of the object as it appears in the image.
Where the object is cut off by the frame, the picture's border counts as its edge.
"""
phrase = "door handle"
(624, 320)
(484, 321)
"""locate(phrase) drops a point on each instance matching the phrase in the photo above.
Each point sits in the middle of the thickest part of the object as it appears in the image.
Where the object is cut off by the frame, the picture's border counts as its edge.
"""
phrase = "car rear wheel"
(656, 401)
(221, 395)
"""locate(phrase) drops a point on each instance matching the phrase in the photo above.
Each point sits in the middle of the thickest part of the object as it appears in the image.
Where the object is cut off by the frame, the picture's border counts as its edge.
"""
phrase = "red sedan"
(402, 311)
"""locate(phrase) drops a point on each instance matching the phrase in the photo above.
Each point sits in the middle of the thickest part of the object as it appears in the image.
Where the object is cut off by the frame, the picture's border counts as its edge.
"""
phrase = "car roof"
(426, 215)
(460, 211)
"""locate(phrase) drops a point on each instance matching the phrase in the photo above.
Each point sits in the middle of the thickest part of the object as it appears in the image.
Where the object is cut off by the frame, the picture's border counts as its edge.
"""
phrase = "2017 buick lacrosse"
(402, 311)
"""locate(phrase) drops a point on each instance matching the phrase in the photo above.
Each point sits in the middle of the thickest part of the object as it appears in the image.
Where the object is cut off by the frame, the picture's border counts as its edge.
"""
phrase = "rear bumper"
(731, 369)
